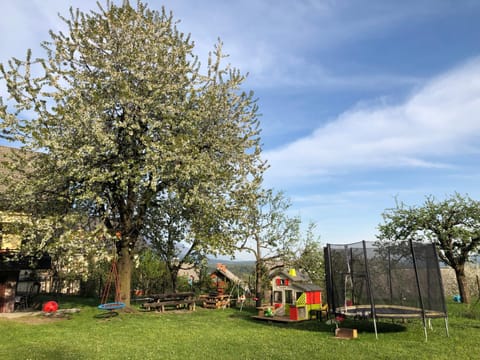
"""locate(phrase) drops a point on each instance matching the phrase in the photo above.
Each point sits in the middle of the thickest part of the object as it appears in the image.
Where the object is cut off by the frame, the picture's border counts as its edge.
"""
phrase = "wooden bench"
(179, 300)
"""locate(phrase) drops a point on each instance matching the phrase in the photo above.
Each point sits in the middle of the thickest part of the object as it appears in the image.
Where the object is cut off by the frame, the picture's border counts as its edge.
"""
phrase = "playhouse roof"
(308, 287)
(298, 278)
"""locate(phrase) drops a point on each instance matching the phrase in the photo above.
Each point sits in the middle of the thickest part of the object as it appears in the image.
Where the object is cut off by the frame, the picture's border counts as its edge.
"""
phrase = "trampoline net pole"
(442, 290)
(367, 278)
(446, 326)
(329, 275)
(369, 288)
(420, 297)
(390, 285)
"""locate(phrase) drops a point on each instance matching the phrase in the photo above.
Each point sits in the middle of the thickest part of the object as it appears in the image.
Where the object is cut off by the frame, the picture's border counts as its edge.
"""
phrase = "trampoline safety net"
(385, 279)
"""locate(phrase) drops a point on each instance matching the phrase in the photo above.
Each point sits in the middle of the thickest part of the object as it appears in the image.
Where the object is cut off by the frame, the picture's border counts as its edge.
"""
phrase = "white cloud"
(281, 44)
(438, 120)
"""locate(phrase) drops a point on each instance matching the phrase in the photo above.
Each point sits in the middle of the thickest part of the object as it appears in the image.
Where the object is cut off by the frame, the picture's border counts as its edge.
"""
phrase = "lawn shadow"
(316, 325)
(106, 315)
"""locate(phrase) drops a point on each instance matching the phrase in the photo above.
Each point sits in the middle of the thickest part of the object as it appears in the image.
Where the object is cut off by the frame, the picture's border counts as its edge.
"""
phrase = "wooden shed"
(222, 278)
(10, 268)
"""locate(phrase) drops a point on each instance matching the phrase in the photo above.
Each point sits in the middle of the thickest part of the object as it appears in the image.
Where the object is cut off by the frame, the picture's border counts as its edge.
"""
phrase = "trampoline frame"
(388, 312)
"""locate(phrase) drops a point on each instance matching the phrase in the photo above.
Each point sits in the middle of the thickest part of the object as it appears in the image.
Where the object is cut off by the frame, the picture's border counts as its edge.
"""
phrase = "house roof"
(222, 269)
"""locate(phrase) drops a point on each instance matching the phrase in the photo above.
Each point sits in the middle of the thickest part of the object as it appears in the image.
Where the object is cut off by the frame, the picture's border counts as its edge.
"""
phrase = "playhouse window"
(281, 282)
(289, 297)
(277, 296)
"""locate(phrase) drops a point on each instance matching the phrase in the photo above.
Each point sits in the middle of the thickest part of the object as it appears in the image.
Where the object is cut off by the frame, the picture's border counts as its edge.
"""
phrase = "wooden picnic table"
(179, 300)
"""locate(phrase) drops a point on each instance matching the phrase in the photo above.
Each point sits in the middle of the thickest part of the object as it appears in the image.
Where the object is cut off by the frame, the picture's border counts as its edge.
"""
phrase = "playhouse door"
(279, 302)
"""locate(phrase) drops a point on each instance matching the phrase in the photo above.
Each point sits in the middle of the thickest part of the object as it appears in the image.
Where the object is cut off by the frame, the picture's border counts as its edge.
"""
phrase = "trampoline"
(385, 280)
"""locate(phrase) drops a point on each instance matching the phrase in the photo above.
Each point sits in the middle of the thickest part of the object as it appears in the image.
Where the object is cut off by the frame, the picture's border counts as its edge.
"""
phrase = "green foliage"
(452, 224)
(174, 233)
(270, 235)
(150, 274)
(183, 284)
(311, 257)
(93, 281)
(120, 116)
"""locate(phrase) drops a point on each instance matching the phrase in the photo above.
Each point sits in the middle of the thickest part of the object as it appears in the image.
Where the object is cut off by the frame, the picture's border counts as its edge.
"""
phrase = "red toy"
(50, 306)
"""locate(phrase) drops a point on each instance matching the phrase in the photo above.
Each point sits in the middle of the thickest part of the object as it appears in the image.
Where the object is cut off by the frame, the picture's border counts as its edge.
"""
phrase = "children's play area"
(293, 297)
(364, 281)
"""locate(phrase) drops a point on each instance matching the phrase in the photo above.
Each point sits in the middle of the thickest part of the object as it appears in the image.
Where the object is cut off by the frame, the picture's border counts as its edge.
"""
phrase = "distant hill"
(214, 262)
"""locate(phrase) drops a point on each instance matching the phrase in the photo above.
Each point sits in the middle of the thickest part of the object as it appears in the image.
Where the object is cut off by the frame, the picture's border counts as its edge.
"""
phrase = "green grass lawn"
(230, 334)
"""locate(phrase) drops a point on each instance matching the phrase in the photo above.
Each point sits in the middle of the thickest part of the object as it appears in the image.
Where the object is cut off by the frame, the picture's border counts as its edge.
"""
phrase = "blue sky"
(362, 102)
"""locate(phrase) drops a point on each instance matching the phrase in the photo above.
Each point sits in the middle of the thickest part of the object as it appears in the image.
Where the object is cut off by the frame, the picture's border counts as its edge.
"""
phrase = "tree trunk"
(173, 279)
(258, 283)
(462, 283)
(125, 272)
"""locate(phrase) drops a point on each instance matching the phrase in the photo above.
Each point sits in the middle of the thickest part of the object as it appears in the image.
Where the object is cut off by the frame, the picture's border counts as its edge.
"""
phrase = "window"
(281, 282)
(277, 296)
(289, 297)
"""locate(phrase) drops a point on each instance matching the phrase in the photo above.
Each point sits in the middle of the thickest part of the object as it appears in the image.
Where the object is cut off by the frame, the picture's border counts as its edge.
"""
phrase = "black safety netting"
(403, 275)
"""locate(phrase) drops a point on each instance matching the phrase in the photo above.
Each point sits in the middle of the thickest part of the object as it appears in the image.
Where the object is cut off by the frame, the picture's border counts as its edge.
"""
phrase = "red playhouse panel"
(313, 297)
(293, 312)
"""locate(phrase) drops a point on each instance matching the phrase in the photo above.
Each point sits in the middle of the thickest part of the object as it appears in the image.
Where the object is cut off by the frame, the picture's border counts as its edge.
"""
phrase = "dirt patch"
(39, 317)
(38, 320)
(33, 318)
